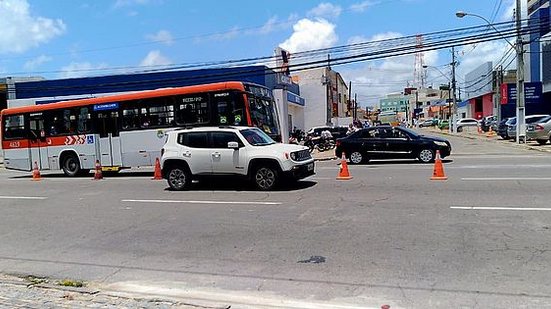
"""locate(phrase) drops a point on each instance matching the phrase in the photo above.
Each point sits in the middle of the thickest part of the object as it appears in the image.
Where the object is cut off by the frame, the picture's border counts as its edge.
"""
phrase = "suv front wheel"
(178, 178)
(265, 178)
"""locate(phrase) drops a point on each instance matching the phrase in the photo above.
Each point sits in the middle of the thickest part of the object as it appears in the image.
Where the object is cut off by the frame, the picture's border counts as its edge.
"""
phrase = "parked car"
(428, 123)
(231, 151)
(337, 131)
(502, 127)
(387, 142)
(466, 122)
(487, 122)
(540, 130)
(444, 125)
(512, 127)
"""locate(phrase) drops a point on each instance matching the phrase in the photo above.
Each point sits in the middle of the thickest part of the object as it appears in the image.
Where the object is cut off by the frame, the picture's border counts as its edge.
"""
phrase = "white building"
(326, 96)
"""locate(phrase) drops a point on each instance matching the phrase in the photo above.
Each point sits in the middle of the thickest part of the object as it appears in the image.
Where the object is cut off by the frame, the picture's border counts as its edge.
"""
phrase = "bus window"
(192, 109)
(161, 116)
(14, 127)
(130, 118)
(84, 120)
(107, 122)
(263, 115)
(229, 108)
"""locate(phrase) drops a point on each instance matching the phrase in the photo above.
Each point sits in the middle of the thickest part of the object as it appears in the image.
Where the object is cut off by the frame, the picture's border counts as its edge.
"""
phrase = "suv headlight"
(293, 156)
(439, 143)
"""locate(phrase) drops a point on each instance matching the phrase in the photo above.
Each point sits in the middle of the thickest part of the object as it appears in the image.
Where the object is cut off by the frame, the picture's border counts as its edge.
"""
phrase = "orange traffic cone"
(343, 172)
(98, 175)
(36, 172)
(479, 129)
(157, 174)
(438, 173)
(491, 133)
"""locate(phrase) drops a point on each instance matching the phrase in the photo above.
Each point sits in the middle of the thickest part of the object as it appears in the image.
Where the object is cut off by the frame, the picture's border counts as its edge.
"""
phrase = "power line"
(400, 50)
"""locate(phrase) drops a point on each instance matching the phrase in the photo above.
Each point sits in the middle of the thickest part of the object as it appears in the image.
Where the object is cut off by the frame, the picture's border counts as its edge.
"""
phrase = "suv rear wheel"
(265, 178)
(178, 178)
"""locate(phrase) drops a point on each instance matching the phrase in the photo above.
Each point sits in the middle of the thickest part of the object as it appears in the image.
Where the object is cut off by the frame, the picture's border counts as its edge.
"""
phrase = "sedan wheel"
(542, 141)
(356, 157)
(426, 156)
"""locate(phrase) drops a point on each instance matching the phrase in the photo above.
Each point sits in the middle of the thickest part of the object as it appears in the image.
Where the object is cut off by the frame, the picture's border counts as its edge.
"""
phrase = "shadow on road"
(89, 175)
(374, 163)
(225, 185)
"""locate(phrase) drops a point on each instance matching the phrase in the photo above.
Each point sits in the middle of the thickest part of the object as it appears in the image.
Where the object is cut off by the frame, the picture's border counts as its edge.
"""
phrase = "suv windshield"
(256, 137)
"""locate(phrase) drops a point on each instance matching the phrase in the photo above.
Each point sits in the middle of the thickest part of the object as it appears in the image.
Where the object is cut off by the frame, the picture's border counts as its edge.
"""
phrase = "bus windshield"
(263, 115)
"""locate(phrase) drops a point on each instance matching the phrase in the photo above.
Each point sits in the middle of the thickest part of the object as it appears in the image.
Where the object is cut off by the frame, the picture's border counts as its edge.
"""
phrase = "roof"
(125, 97)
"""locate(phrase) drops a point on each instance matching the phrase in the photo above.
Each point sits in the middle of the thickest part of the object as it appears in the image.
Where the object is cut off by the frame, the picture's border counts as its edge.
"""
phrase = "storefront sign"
(532, 93)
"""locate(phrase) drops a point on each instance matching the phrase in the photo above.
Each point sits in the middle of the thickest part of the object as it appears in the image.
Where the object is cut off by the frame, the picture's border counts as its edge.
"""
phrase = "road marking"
(202, 202)
(23, 197)
(506, 178)
(499, 208)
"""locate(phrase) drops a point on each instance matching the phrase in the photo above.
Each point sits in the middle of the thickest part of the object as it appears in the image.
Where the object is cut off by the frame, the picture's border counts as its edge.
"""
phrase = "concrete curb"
(485, 139)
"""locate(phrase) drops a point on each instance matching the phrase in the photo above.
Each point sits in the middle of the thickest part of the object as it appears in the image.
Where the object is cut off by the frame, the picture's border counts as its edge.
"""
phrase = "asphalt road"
(481, 239)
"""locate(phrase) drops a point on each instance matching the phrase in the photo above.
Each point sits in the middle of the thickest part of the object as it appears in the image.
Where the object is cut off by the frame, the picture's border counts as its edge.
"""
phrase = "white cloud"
(325, 10)
(376, 79)
(311, 34)
(163, 36)
(36, 62)
(21, 30)
(470, 58)
(510, 5)
(362, 6)
(155, 58)
(80, 69)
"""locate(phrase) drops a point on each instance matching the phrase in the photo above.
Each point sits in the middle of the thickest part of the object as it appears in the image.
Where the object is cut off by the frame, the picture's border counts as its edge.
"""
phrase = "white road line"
(202, 202)
(506, 178)
(499, 208)
(23, 197)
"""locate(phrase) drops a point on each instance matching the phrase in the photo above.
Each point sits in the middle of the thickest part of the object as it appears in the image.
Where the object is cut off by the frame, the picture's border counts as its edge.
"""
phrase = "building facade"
(326, 96)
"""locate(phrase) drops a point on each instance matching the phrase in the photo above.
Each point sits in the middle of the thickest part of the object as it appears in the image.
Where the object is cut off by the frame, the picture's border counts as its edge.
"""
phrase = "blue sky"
(64, 38)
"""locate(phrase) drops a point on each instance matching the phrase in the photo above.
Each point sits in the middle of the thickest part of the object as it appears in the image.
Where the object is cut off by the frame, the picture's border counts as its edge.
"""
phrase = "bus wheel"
(71, 165)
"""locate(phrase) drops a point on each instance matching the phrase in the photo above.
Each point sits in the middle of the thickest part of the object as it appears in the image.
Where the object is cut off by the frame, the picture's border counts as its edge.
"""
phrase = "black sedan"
(386, 142)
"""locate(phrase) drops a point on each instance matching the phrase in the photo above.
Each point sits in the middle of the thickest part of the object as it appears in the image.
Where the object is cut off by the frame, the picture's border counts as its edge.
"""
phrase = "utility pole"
(453, 125)
(499, 81)
(355, 106)
(521, 123)
(350, 97)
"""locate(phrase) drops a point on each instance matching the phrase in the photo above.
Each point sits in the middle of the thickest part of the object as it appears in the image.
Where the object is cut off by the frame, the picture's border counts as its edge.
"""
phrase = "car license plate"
(310, 167)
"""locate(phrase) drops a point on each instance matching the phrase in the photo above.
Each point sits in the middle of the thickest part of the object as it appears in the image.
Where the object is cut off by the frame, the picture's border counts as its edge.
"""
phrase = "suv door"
(227, 160)
(196, 151)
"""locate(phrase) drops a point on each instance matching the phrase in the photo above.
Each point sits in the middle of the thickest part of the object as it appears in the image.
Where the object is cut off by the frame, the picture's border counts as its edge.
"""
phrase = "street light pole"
(519, 47)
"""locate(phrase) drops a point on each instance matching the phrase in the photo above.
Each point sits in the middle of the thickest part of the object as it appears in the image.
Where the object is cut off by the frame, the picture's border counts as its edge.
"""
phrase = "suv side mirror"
(233, 145)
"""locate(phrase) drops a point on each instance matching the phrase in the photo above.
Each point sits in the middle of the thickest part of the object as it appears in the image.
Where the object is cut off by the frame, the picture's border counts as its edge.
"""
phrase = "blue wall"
(540, 18)
(144, 81)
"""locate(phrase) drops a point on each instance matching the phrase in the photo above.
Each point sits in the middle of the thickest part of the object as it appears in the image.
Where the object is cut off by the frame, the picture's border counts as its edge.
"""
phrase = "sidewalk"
(530, 145)
(324, 156)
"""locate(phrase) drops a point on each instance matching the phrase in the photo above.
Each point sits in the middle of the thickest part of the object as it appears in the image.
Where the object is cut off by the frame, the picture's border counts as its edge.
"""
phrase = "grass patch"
(73, 283)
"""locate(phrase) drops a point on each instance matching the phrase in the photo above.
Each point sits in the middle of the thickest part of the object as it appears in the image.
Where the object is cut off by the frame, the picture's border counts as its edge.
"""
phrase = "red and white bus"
(126, 130)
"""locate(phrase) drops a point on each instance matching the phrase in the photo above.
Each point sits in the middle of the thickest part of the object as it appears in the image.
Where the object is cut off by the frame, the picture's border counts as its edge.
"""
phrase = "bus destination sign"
(106, 106)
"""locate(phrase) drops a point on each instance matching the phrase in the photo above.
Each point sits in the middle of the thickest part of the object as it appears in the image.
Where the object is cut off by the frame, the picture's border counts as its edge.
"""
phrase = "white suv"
(232, 151)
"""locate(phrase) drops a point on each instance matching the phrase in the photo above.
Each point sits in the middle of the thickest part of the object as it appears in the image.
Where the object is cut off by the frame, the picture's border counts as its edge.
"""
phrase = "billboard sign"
(532, 93)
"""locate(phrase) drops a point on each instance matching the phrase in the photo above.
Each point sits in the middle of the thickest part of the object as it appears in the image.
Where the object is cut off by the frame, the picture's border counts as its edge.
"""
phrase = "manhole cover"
(314, 259)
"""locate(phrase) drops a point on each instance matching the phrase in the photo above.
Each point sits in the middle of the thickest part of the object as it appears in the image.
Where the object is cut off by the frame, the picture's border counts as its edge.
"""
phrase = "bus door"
(109, 145)
(38, 147)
